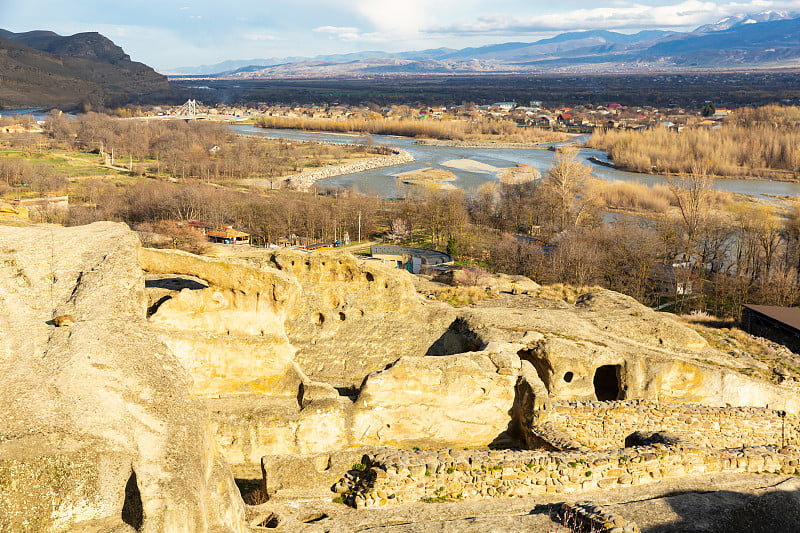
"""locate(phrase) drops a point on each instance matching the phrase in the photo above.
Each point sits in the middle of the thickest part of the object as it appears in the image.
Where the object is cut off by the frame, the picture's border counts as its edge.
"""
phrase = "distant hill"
(42, 68)
(769, 39)
(766, 43)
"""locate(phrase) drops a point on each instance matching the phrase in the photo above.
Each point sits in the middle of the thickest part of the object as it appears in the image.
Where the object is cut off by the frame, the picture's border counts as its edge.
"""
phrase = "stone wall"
(303, 180)
(604, 425)
(401, 476)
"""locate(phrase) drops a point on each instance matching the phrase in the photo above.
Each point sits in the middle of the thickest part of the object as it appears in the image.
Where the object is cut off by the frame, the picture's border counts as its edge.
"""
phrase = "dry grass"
(638, 197)
(632, 196)
(463, 296)
(455, 130)
(724, 335)
(752, 143)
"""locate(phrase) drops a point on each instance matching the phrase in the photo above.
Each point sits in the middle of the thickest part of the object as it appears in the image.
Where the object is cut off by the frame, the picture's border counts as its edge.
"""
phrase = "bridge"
(187, 111)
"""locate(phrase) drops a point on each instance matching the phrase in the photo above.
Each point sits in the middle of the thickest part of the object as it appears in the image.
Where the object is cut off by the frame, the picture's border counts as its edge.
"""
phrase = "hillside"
(157, 390)
(764, 40)
(41, 69)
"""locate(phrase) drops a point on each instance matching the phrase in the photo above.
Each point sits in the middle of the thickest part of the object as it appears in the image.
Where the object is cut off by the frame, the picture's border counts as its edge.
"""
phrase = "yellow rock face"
(683, 382)
(230, 335)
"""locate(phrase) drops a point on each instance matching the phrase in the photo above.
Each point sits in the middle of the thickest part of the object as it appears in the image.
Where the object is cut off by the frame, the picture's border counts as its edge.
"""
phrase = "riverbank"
(382, 182)
(430, 178)
(303, 181)
(484, 144)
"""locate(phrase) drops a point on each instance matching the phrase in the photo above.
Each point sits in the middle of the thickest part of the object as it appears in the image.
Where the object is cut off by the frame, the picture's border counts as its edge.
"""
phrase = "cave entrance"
(606, 382)
(132, 510)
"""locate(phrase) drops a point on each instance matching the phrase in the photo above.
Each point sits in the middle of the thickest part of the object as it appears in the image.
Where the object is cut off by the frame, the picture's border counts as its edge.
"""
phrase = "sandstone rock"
(230, 331)
(608, 346)
(354, 317)
(84, 408)
(622, 315)
(431, 401)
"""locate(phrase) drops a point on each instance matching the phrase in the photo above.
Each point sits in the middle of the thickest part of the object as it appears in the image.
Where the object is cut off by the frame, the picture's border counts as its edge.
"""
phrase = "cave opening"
(132, 511)
(606, 382)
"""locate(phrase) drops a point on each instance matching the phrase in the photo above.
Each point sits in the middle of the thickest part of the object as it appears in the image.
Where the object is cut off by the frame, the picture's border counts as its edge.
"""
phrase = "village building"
(411, 259)
(779, 324)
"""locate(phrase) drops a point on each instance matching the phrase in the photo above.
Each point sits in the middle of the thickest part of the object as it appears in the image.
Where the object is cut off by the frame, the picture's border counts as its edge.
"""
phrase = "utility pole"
(359, 226)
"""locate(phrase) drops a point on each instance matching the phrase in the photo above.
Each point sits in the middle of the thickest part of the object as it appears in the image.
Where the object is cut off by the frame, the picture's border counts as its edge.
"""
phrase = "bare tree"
(691, 193)
(566, 182)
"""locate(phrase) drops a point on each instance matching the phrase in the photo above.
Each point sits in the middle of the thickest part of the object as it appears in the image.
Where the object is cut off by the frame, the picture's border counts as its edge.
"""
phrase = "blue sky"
(174, 33)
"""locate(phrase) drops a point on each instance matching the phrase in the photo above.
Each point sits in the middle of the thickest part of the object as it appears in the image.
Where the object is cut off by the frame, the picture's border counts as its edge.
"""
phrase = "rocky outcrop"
(607, 346)
(100, 431)
(224, 321)
(458, 400)
(318, 354)
(429, 401)
(354, 317)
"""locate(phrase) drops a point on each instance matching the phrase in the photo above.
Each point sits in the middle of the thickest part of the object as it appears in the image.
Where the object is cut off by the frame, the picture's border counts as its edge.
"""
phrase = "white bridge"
(189, 109)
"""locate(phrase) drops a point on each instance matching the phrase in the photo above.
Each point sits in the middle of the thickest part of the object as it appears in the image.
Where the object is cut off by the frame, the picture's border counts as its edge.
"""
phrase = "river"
(381, 181)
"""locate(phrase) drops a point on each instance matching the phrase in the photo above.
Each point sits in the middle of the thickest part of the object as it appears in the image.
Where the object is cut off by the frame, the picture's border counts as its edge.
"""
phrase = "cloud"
(336, 30)
(686, 14)
(349, 34)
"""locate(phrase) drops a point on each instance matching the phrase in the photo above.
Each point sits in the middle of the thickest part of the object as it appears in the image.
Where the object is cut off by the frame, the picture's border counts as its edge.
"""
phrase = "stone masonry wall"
(303, 180)
(604, 425)
(400, 476)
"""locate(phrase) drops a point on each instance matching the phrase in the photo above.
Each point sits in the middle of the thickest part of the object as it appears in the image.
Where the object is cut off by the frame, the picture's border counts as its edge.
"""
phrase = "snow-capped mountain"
(740, 19)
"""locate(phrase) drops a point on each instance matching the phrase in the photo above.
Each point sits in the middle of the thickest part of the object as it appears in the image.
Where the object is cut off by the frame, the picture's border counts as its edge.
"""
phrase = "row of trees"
(685, 236)
(198, 150)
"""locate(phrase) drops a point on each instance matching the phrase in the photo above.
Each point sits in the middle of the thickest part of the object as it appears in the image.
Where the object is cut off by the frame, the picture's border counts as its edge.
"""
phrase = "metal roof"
(227, 233)
(789, 316)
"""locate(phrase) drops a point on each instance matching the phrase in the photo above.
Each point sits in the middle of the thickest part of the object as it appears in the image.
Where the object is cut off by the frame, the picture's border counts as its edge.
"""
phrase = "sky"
(168, 34)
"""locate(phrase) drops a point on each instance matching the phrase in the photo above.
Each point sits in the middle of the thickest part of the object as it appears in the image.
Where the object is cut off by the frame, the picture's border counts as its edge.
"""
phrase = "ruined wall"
(401, 476)
(604, 425)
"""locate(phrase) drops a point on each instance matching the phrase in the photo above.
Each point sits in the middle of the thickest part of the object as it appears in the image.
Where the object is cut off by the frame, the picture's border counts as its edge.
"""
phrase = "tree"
(565, 181)
(691, 193)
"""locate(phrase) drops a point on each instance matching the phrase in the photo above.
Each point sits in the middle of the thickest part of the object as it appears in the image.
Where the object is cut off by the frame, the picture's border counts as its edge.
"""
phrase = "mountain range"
(44, 69)
(766, 39)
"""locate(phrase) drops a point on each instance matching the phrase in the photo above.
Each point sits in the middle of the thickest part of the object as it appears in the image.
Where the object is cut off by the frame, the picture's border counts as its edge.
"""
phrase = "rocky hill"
(42, 69)
(137, 380)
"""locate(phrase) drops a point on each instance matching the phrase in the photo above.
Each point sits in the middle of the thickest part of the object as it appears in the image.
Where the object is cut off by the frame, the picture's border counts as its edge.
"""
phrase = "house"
(780, 324)
(410, 259)
(227, 235)
(16, 128)
(566, 118)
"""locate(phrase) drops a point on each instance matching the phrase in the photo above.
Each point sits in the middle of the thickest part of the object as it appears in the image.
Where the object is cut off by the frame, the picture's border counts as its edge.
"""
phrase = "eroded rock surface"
(228, 328)
(313, 354)
(87, 405)
(354, 317)
(429, 401)
(608, 346)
